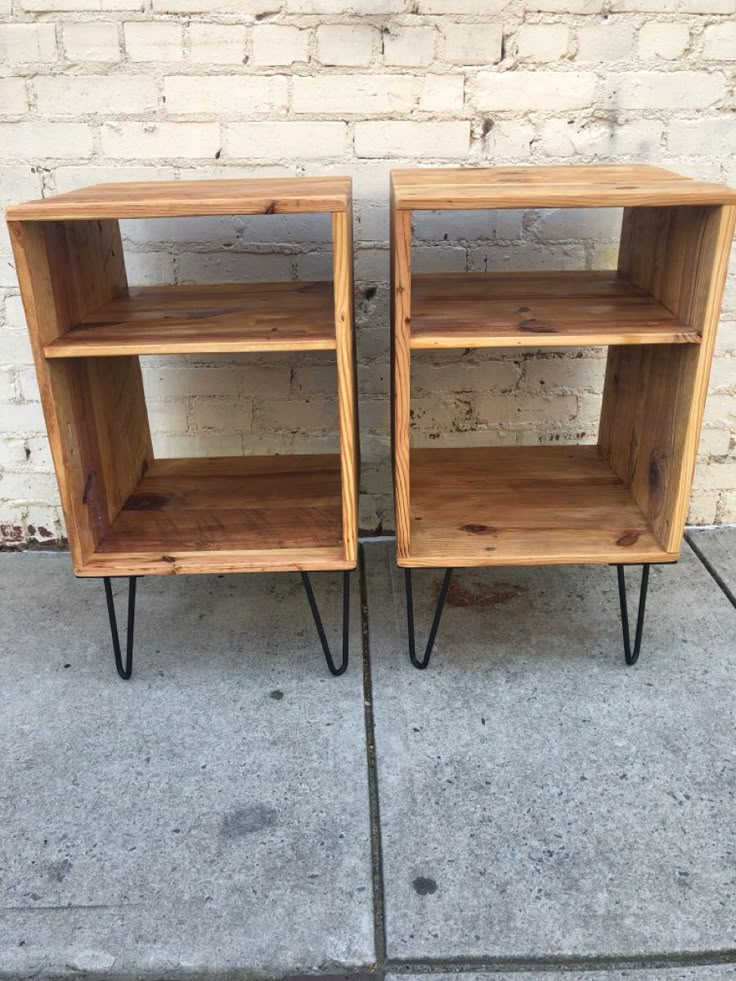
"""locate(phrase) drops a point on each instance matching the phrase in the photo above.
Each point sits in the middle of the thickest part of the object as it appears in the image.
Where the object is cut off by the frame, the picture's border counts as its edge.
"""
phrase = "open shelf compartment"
(227, 514)
(543, 309)
(523, 506)
(205, 319)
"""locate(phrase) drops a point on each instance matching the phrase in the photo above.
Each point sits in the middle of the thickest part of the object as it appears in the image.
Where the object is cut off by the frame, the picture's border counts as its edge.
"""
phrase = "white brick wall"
(100, 90)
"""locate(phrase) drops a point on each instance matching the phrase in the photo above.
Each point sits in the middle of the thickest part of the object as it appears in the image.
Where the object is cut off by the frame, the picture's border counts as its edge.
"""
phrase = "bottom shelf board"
(536, 505)
(228, 514)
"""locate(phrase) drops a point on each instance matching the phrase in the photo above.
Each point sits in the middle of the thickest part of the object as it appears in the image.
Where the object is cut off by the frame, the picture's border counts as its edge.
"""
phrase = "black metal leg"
(632, 656)
(435, 622)
(334, 669)
(127, 670)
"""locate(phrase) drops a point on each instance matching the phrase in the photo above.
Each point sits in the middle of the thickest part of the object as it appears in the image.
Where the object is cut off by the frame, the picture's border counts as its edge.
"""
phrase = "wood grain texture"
(62, 272)
(540, 309)
(342, 250)
(593, 186)
(178, 199)
(228, 514)
(401, 373)
(536, 505)
(207, 319)
(654, 399)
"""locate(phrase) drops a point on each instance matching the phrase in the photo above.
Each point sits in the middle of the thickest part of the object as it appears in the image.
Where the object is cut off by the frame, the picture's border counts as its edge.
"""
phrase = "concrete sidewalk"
(526, 805)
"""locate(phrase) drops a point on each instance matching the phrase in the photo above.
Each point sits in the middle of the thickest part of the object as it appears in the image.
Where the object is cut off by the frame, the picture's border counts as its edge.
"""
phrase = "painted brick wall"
(94, 90)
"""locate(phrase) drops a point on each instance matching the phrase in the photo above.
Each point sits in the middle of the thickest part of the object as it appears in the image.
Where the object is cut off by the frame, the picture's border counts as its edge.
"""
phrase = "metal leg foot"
(632, 656)
(125, 671)
(421, 664)
(334, 669)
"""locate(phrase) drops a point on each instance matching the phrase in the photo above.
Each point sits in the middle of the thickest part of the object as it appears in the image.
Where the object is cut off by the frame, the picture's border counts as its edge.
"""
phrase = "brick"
(564, 138)
(13, 99)
(644, 6)
(719, 42)
(240, 8)
(528, 90)
(233, 267)
(136, 140)
(275, 44)
(408, 47)
(565, 374)
(664, 90)
(67, 95)
(449, 140)
(458, 378)
(663, 40)
(567, 6)
(291, 140)
(473, 44)
(24, 417)
(217, 44)
(18, 183)
(346, 44)
(543, 42)
(92, 41)
(375, 94)
(611, 40)
(708, 6)
(93, 6)
(27, 43)
(8, 390)
(167, 417)
(510, 139)
(39, 140)
(154, 41)
(164, 383)
(219, 416)
(482, 7)
(316, 414)
(68, 178)
(149, 268)
(344, 6)
(220, 94)
(703, 137)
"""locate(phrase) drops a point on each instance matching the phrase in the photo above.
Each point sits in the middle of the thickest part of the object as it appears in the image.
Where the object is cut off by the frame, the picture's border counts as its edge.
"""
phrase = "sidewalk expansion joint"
(715, 574)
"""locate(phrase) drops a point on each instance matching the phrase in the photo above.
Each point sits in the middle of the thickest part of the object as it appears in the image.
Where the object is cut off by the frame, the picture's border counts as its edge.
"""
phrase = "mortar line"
(379, 922)
(715, 574)
(561, 964)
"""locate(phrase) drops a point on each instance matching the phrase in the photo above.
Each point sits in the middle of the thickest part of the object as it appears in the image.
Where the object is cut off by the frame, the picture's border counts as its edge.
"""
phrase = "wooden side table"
(625, 500)
(127, 513)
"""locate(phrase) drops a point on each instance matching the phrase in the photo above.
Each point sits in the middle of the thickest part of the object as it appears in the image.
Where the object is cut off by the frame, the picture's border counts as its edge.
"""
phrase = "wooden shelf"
(227, 514)
(540, 309)
(612, 185)
(221, 318)
(180, 199)
(534, 505)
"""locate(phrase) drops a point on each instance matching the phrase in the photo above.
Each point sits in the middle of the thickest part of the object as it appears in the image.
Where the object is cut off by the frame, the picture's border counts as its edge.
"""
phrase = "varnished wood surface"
(228, 514)
(654, 399)
(401, 300)
(178, 199)
(535, 505)
(615, 185)
(219, 318)
(540, 309)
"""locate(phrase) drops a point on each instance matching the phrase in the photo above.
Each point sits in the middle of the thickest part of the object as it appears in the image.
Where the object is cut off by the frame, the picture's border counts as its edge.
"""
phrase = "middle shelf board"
(206, 319)
(538, 309)
(523, 505)
(228, 514)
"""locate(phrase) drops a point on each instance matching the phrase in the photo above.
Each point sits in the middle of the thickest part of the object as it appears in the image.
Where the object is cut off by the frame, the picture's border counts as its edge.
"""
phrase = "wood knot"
(472, 529)
(628, 538)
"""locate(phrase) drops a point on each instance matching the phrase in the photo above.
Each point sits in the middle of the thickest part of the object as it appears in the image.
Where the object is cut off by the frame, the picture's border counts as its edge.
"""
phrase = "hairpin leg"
(124, 671)
(435, 622)
(334, 669)
(632, 656)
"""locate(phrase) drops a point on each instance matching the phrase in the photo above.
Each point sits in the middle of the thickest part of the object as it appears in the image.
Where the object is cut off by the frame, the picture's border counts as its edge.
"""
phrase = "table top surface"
(162, 199)
(610, 185)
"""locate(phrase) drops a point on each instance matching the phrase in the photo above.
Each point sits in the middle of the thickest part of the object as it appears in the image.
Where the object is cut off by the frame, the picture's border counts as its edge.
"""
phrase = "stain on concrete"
(424, 886)
(276, 694)
(58, 871)
(494, 594)
(243, 821)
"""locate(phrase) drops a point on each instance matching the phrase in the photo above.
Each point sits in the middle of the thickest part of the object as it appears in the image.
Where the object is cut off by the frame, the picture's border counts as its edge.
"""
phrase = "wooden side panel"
(342, 247)
(654, 397)
(64, 272)
(121, 423)
(401, 371)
